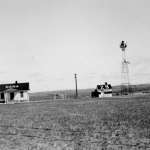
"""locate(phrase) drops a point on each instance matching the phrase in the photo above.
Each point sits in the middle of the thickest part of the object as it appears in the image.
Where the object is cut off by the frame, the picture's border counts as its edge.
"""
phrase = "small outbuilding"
(14, 92)
(103, 90)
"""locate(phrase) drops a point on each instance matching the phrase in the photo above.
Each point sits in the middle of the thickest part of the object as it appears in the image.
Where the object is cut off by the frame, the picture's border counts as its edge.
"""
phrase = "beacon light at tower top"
(123, 45)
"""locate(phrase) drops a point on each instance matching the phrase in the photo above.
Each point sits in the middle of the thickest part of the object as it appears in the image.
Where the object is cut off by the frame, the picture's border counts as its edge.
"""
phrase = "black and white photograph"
(74, 75)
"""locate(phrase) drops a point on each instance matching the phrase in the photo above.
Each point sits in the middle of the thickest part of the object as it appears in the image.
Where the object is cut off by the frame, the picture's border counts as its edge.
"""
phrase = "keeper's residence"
(14, 92)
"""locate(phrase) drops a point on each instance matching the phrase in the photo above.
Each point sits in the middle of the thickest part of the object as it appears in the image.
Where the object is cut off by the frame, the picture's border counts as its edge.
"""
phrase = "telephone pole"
(75, 76)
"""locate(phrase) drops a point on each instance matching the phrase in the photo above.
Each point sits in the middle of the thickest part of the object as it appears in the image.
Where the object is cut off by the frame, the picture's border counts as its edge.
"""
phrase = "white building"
(104, 90)
(14, 93)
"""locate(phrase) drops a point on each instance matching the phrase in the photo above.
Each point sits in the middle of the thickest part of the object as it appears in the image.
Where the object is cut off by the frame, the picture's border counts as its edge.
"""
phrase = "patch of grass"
(76, 124)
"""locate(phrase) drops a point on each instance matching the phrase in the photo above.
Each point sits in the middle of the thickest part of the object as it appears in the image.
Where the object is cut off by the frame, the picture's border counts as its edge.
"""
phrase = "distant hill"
(143, 88)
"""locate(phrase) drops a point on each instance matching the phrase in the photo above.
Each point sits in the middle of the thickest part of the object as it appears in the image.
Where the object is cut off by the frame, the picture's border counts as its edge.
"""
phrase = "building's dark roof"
(104, 86)
(16, 85)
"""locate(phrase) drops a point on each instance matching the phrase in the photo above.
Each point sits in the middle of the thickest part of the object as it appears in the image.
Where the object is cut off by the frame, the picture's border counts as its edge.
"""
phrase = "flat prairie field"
(117, 123)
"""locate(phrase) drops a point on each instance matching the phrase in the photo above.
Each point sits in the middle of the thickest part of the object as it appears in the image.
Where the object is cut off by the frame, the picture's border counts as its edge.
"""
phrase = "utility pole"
(75, 76)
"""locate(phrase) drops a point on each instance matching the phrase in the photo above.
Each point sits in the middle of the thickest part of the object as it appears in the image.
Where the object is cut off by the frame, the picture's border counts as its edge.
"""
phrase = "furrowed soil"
(92, 124)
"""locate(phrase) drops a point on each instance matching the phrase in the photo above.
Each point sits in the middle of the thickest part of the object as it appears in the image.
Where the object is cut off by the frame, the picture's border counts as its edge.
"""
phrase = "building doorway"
(2, 95)
(12, 96)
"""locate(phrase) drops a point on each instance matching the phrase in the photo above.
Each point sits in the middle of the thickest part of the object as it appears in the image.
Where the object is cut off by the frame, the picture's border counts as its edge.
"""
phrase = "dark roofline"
(18, 86)
(15, 83)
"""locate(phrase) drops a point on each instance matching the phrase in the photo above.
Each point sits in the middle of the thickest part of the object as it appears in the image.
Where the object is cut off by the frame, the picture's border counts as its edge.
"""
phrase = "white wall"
(105, 95)
(18, 97)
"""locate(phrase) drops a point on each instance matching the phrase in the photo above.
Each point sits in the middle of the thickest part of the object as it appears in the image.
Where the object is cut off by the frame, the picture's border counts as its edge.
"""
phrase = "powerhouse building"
(102, 90)
(14, 92)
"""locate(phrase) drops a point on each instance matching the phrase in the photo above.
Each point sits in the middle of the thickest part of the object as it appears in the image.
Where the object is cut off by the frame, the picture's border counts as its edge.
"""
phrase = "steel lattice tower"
(125, 89)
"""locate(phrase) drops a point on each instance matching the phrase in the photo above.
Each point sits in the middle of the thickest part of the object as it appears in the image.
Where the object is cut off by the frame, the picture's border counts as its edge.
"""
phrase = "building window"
(21, 94)
(2, 95)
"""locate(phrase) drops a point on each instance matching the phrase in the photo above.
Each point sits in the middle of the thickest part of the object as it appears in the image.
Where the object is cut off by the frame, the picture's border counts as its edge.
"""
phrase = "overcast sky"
(46, 41)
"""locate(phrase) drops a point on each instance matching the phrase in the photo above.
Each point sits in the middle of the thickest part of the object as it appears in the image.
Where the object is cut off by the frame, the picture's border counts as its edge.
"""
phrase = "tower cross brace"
(124, 70)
